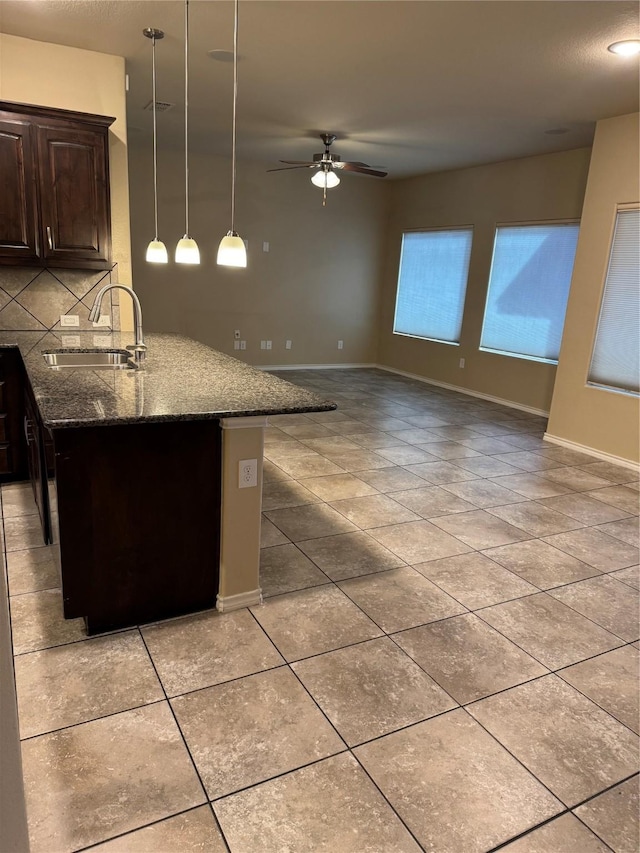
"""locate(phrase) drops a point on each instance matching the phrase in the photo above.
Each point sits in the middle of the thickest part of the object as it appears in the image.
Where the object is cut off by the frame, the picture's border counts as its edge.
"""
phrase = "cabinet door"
(74, 196)
(35, 459)
(18, 207)
(12, 444)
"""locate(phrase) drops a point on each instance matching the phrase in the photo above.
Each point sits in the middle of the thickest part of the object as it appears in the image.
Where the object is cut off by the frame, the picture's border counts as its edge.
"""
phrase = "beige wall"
(317, 285)
(52, 75)
(545, 187)
(606, 421)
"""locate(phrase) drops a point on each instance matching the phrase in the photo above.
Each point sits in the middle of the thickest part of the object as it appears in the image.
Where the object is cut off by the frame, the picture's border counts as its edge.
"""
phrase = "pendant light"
(232, 252)
(187, 251)
(156, 250)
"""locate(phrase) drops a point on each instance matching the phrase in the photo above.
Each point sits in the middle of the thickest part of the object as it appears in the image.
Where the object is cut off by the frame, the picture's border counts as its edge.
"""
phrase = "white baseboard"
(510, 403)
(310, 366)
(591, 451)
(226, 603)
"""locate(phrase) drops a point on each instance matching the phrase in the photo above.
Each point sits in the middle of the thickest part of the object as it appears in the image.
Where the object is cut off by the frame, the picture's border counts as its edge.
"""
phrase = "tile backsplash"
(33, 299)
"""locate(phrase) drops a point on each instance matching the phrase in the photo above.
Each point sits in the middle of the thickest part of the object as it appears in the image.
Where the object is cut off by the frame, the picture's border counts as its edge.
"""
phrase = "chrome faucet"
(139, 349)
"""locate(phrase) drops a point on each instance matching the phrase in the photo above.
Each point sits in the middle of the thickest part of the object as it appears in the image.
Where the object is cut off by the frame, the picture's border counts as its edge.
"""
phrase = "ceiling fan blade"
(299, 162)
(351, 167)
(339, 164)
(290, 168)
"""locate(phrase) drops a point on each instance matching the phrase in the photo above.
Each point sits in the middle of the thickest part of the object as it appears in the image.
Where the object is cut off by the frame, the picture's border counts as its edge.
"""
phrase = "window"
(528, 290)
(432, 284)
(615, 362)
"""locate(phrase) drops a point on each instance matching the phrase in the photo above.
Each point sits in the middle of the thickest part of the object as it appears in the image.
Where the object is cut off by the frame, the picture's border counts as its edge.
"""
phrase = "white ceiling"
(413, 87)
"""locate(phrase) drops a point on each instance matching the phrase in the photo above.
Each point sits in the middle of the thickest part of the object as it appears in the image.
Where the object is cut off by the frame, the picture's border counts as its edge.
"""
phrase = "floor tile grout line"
(182, 735)
(478, 613)
(90, 720)
(386, 800)
(137, 829)
(563, 586)
(571, 811)
(515, 757)
(595, 701)
(86, 638)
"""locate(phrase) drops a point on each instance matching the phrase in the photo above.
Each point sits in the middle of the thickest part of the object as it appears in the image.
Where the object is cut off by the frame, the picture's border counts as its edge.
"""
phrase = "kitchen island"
(152, 520)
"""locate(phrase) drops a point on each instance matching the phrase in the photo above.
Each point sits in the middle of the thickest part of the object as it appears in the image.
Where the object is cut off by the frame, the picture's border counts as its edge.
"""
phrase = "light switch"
(67, 320)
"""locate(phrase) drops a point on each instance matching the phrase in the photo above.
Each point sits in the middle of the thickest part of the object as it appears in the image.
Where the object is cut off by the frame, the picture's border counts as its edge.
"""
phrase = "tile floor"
(446, 659)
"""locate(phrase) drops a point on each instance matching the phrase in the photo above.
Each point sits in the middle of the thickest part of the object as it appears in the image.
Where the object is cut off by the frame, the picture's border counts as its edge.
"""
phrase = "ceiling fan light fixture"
(157, 253)
(325, 179)
(232, 251)
(628, 47)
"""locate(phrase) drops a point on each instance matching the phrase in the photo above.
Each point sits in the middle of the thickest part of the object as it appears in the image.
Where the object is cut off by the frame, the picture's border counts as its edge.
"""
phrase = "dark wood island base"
(137, 527)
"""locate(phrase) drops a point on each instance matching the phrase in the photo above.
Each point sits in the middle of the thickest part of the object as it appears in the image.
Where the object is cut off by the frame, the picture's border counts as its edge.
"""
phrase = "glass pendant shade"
(187, 251)
(232, 251)
(157, 252)
(327, 179)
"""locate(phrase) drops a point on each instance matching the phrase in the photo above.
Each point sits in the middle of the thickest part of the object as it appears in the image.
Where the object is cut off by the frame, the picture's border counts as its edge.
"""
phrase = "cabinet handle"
(49, 237)
(27, 433)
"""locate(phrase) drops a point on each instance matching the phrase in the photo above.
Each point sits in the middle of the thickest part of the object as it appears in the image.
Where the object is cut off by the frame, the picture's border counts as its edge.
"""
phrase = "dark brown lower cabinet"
(137, 526)
(13, 462)
(34, 440)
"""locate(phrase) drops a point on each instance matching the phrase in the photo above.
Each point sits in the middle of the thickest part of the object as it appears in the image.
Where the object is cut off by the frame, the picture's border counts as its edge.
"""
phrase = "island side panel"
(242, 439)
(139, 509)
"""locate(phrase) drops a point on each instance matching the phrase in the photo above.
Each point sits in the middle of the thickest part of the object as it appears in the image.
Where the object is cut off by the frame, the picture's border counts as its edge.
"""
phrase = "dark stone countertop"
(182, 380)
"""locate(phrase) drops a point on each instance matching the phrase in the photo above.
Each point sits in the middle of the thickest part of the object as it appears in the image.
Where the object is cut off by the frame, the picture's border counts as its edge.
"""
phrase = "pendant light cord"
(186, 117)
(155, 144)
(233, 126)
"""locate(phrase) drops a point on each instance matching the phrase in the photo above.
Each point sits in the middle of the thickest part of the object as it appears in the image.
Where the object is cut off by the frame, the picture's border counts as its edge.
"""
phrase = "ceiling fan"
(326, 166)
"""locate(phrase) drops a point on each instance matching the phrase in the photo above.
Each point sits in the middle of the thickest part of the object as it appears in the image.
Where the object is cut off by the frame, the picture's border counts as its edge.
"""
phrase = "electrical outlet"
(269, 344)
(70, 340)
(69, 320)
(265, 246)
(236, 344)
(247, 473)
(340, 344)
(462, 362)
(243, 344)
(287, 344)
(236, 334)
(103, 320)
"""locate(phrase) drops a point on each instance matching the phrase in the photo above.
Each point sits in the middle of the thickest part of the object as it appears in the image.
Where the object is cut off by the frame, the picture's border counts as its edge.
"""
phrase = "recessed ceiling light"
(630, 47)
(222, 55)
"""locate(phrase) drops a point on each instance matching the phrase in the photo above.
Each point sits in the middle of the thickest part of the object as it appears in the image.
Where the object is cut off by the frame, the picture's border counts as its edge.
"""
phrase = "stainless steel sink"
(94, 359)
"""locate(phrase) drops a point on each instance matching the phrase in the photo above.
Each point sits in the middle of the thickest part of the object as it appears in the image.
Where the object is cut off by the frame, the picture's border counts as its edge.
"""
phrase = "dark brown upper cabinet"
(54, 188)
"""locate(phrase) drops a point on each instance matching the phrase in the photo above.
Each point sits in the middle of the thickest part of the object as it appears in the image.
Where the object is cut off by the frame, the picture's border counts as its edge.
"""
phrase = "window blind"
(432, 282)
(528, 289)
(616, 354)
